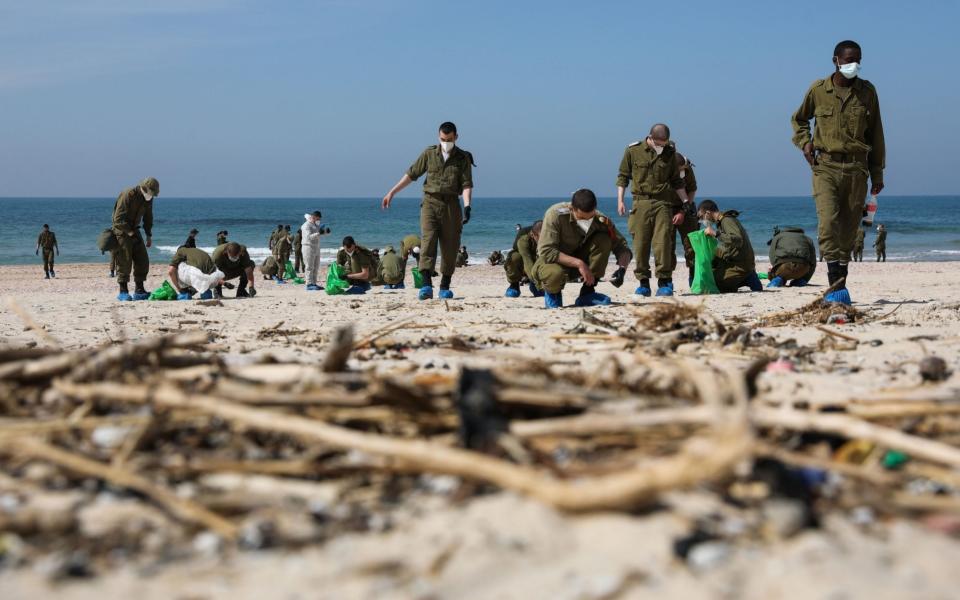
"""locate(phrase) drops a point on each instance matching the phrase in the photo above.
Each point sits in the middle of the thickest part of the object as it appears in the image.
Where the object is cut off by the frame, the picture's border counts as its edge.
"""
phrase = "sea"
(920, 228)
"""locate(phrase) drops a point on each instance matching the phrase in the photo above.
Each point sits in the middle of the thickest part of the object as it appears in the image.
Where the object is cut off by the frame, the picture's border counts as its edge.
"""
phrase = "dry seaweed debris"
(287, 454)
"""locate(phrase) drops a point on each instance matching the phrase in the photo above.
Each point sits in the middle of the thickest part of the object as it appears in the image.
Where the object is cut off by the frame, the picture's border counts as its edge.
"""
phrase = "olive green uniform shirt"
(221, 239)
(848, 124)
(526, 247)
(560, 233)
(47, 240)
(130, 210)
(390, 268)
(194, 257)
(881, 242)
(447, 178)
(733, 244)
(408, 244)
(858, 241)
(653, 175)
(229, 268)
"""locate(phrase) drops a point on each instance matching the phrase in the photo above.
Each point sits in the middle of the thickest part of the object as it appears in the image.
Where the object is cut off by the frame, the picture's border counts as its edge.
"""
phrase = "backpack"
(106, 241)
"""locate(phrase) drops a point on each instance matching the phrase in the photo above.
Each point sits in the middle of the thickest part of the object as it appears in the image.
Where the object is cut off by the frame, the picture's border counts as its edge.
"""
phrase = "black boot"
(46, 274)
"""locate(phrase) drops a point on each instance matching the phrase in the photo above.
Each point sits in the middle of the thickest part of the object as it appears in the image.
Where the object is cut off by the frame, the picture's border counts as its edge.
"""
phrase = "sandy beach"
(502, 545)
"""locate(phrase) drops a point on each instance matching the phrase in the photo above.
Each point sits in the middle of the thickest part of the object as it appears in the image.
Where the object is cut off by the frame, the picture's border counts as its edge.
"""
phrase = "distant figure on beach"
(274, 236)
(234, 261)
(495, 258)
(191, 239)
(270, 269)
(47, 241)
(793, 258)
(846, 144)
(520, 260)
(651, 164)
(689, 223)
(193, 271)
(576, 242)
(310, 234)
(222, 237)
(282, 246)
(298, 251)
(734, 265)
(881, 243)
(858, 245)
(449, 172)
(134, 207)
(463, 259)
(113, 263)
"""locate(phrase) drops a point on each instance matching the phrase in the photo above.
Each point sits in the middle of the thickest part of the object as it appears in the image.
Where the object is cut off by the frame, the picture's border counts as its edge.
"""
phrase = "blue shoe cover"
(355, 290)
(207, 295)
(775, 282)
(642, 291)
(278, 280)
(426, 293)
(665, 290)
(511, 292)
(537, 292)
(798, 283)
(842, 296)
(594, 299)
(313, 287)
(184, 296)
(141, 295)
(753, 282)
(124, 297)
(399, 286)
(446, 294)
(553, 300)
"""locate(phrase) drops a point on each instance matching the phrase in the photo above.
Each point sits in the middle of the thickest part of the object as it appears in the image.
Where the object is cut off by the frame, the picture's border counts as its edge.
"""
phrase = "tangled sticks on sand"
(287, 454)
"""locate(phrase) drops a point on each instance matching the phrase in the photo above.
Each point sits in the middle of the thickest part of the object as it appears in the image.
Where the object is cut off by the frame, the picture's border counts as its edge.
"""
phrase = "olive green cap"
(151, 185)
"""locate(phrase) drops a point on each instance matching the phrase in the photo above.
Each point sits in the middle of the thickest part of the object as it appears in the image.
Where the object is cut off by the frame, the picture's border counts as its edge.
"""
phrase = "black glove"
(252, 292)
(618, 275)
(466, 212)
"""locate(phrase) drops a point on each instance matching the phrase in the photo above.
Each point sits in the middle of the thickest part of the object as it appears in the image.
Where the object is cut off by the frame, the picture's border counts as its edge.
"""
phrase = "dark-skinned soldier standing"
(845, 148)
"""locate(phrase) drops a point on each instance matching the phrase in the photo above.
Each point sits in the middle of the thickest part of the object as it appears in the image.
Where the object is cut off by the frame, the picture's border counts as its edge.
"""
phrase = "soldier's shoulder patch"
(601, 219)
(564, 210)
(636, 143)
(819, 83)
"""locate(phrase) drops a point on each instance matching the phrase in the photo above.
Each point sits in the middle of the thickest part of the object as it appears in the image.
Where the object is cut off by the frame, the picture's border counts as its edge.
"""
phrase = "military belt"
(841, 157)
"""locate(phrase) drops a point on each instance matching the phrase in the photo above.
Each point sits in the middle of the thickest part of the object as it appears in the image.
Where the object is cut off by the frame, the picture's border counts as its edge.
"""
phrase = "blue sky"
(336, 98)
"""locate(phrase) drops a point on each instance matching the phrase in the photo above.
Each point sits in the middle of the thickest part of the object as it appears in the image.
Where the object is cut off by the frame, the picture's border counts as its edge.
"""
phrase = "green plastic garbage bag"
(164, 292)
(336, 280)
(417, 278)
(762, 275)
(290, 274)
(703, 246)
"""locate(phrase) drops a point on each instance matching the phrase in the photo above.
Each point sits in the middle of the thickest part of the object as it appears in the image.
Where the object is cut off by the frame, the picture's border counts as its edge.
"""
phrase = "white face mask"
(146, 195)
(683, 173)
(585, 224)
(658, 149)
(850, 70)
(446, 146)
(234, 258)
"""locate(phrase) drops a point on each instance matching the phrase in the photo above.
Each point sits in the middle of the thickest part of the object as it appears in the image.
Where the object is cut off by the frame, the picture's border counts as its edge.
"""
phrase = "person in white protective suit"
(192, 271)
(310, 231)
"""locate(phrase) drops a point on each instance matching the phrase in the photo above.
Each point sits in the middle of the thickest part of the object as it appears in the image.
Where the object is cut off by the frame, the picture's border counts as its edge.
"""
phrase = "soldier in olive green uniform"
(133, 207)
(858, 245)
(689, 223)
(298, 251)
(390, 269)
(793, 257)
(846, 146)
(222, 237)
(113, 263)
(521, 258)
(234, 261)
(269, 268)
(496, 258)
(361, 266)
(881, 243)
(47, 241)
(652, 166)
(198, 259)
(463, 259)
(281, 250)
(410, 245)
(274, 236)
(576, 242)
(734, 264)
(449, 172)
